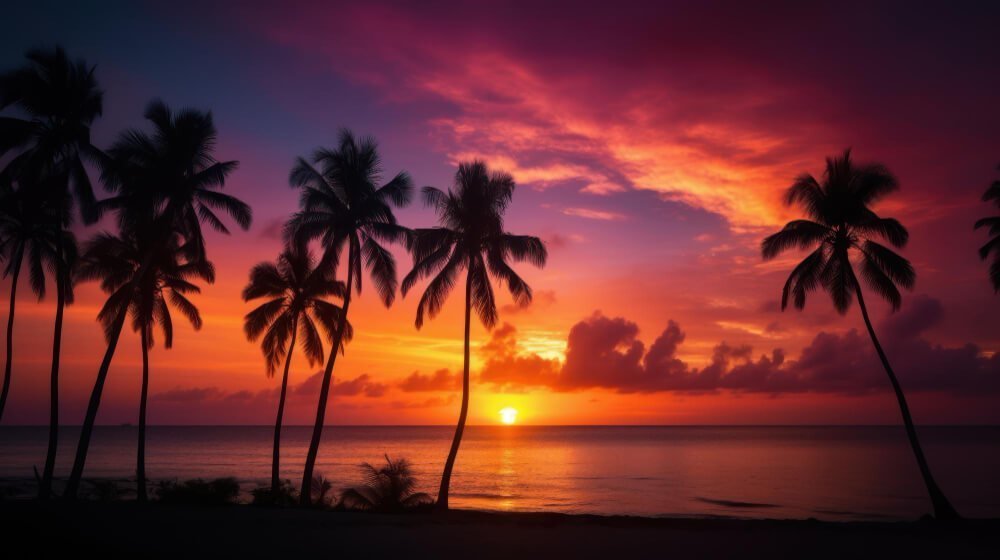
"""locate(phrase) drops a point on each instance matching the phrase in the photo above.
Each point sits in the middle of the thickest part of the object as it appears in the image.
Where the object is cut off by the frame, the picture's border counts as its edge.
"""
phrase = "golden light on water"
(508, 415)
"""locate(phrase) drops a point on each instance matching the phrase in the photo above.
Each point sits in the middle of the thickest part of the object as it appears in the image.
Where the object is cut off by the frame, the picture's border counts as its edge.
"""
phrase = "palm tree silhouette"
(841, 224)
(343, 206)
(25, 231)
(992, 247)
(471, 238)
(115, 261)
(60, 100)
(166, 184)
(386, 489)
(295, 289)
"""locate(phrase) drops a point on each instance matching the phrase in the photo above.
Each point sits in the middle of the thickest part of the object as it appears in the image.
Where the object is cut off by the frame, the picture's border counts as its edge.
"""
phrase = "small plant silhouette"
(386, 489)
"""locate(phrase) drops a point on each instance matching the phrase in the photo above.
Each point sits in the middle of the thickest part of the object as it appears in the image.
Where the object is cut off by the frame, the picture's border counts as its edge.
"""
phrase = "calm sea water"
(838, 473)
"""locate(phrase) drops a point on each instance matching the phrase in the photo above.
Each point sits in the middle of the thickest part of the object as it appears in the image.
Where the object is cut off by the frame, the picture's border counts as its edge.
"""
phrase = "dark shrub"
(219, 491)
(286, 496)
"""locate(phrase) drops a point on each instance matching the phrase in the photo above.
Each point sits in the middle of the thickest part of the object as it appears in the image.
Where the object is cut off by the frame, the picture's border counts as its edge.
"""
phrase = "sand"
(31, 529)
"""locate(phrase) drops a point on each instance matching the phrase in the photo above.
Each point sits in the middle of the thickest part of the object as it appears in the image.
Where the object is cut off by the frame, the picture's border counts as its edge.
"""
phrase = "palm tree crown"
(27, 236)
(344, 206)
(471, 237)
(295, 290)
(992, 247)
(172, 171)
(116, 261)
(59, 100)
(842, 223)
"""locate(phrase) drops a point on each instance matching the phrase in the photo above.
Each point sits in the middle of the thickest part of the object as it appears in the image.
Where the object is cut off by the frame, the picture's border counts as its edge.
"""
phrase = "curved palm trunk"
(140, 461)
(305, 495)
(276, 455)
(442, 501)
(73, 484)
(942, 507)
(45, 488)
(10, 333)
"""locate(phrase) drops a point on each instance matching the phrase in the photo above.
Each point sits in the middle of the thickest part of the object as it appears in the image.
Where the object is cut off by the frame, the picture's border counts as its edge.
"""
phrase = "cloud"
(441, 380)
(540, 300)
(505, 367)
(345, 388)
(606, 353)
(309, 387)
(272, 229)
(193, 394)
(431, 402)
(592, 214)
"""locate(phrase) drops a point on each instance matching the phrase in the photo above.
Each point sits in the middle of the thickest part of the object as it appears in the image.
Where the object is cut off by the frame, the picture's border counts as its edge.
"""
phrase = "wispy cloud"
(593, 214)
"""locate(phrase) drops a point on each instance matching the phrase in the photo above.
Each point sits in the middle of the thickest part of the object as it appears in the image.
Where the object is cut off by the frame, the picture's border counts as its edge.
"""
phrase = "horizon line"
(515, 426)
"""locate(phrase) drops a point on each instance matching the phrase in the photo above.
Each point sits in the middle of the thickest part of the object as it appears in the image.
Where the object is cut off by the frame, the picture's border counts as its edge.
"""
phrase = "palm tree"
(295, 289)
(841, 223)
(116, 261)
(386, 489)
(992, 247)
(25, 231)
(60, 100)
(167, 183)
(471, 238)
(343, 206)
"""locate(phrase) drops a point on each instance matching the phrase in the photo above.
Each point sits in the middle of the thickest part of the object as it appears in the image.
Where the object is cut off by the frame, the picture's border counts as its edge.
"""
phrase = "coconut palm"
(841, 224)
(26, 233)
(386, 489)
(471, 238)
(295, 289)
(992, 247)
(115, 261)
(166, 184)
(342, 205)
(59, 100)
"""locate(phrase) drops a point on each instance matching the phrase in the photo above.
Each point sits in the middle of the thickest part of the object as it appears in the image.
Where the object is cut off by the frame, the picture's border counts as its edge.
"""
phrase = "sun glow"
(508, 415)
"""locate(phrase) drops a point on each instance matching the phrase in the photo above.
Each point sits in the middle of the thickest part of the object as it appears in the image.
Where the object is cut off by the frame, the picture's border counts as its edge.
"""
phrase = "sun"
(508, 415)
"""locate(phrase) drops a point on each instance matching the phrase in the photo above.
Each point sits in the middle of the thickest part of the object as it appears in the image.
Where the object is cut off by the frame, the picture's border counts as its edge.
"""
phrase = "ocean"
(832, 473)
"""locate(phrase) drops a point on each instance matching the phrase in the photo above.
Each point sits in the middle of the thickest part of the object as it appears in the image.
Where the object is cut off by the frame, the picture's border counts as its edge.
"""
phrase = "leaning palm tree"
(992, 247)
(115, 262)
(295, 289)
(166, 183)
(386, 489)
(342, 205)
(471, 238)
(841, 224)
(59, 100)
(26, 233)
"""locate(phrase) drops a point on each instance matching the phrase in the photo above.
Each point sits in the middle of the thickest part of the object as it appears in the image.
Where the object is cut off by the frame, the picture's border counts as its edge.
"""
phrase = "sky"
(651, 143)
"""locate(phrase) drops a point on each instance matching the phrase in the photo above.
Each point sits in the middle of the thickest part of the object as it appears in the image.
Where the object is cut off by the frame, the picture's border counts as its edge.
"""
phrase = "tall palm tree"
(115, 261)
(342, 205)
(471, 237)
(60, 100)
(992, 247)
(295, 289)
(26, 232)
(841, 224)
(166, 184)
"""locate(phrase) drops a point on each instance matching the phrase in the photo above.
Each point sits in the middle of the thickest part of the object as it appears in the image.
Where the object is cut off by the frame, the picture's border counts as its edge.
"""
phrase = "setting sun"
(508, 415)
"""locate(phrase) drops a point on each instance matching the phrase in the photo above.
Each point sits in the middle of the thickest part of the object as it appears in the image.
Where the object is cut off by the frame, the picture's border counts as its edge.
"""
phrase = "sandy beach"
(161, 531)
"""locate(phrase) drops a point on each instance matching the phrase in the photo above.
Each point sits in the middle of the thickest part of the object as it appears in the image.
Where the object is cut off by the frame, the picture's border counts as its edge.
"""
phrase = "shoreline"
(168, 530)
